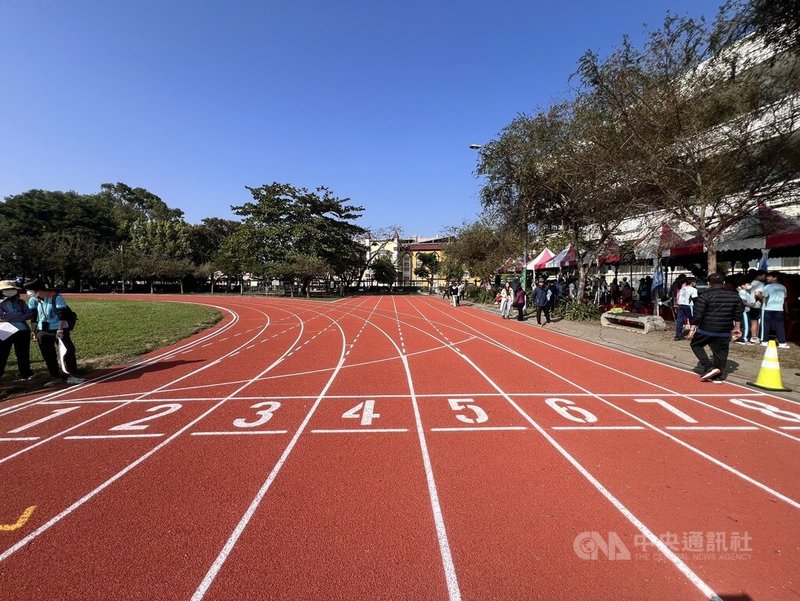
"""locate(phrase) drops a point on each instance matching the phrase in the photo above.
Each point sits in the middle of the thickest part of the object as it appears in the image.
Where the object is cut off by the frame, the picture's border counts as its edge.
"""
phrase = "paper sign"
(7, 329)
(62, 352)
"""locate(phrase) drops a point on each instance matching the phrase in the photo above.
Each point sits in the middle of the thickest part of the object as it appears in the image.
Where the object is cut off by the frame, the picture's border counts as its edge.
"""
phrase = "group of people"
(46, 311)
(544, 296)
(729, 312)
(455, 291)
(764, 301)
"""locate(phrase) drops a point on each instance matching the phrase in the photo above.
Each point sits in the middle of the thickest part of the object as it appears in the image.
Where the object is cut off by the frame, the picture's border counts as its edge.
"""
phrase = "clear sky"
(379, 101)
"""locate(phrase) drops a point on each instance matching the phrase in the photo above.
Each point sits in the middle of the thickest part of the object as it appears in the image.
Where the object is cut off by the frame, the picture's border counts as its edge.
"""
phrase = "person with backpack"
(52, 324)
(541, 300)
(14, 311)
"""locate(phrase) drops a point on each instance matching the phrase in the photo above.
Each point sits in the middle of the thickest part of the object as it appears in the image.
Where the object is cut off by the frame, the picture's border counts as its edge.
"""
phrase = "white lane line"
(712, 428)
(135, 367)
(597, 428)
(20, 439)
(790, 427)
(240, 433)
(655, 540)
(91, 494)
(451, 578)
(205, 345)
(121, 405)
(479, 429)
(359, 431)
(208, 579)
(663, 432)
(103, 436)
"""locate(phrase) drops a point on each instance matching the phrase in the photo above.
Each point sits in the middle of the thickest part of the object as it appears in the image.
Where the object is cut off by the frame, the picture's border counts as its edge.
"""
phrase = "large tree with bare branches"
(711, 120)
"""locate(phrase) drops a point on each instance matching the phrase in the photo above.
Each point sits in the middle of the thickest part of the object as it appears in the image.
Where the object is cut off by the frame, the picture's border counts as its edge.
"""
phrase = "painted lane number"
(481, 417)
(364, 411)
(139, 423)
(671, 408)
(54, 414)
(569, 410)
(767, 409)
(264, 415)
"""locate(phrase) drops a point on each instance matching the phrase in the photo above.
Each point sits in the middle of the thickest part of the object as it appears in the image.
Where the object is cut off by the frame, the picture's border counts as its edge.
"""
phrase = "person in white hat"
(15, 311)
(51, 328)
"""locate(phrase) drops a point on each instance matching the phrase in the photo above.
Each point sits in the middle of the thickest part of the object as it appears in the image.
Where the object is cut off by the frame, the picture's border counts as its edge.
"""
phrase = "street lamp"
(524, 275)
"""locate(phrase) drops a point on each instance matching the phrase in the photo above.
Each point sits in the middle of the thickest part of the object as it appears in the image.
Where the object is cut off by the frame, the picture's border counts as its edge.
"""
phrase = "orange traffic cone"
(769, 378)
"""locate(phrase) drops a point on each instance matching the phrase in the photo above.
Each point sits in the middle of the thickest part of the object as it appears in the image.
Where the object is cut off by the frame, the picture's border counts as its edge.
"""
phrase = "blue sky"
(379, 101)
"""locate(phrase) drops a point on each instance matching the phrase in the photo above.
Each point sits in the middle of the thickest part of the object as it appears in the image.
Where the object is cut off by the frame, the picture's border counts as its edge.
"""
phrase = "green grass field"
(112, 332)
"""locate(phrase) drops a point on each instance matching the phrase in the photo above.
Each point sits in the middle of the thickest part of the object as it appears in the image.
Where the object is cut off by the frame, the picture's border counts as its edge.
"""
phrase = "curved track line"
(54, 520)
(637, 378)
(628, 514)
(124, 403)
(714, 460)
(216, 566)
(131, 368)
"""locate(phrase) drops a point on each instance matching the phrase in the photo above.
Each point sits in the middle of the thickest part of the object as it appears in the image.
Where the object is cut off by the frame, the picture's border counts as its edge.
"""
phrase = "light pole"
(524, 274)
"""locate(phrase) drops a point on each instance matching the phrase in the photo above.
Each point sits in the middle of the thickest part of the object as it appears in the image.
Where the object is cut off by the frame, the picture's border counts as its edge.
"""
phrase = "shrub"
(575, 310)
(479, 294)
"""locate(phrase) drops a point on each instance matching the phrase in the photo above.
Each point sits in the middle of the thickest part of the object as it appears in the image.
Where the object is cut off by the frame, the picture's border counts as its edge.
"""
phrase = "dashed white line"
(359, 431)
(479, 429)
(241, 432)
(102, 436)
(711, 428)
(597, 428)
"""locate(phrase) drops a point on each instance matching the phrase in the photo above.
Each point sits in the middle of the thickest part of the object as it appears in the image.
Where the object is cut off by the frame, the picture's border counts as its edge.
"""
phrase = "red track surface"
(397, 448)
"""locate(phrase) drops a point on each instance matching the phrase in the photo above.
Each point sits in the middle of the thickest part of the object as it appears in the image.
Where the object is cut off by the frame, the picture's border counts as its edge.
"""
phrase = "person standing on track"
(716, 320)
(14, 311)
(50, 328)
(462, 289)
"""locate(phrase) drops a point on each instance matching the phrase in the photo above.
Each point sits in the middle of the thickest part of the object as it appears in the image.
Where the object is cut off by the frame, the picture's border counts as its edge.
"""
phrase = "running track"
(397, 448)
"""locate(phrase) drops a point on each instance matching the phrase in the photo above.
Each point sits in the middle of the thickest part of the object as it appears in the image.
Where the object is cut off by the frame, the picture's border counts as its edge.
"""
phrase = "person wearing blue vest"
(50, 328)
(15, 311)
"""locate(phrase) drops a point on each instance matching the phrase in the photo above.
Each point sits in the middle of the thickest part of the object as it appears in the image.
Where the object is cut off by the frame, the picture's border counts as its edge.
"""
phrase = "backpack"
(67, 314)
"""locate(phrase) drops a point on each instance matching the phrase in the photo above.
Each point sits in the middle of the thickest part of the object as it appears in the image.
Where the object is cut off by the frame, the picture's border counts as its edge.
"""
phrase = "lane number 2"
(158, 411)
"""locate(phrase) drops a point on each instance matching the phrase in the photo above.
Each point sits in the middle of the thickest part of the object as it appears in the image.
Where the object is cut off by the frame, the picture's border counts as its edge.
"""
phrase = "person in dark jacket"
(14, 311)
(541, 302)
(717, 319)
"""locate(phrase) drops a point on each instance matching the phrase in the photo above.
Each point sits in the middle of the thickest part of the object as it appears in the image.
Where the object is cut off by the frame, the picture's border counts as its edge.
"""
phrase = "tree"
(384, 271)
(284, 222)
(557, 170)
(206, 238)
(427, 268)
(159, 250)
(479, 248)
(377, 239)
(712, 131)
(776, 21)
(56, 234)
(132, 204)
